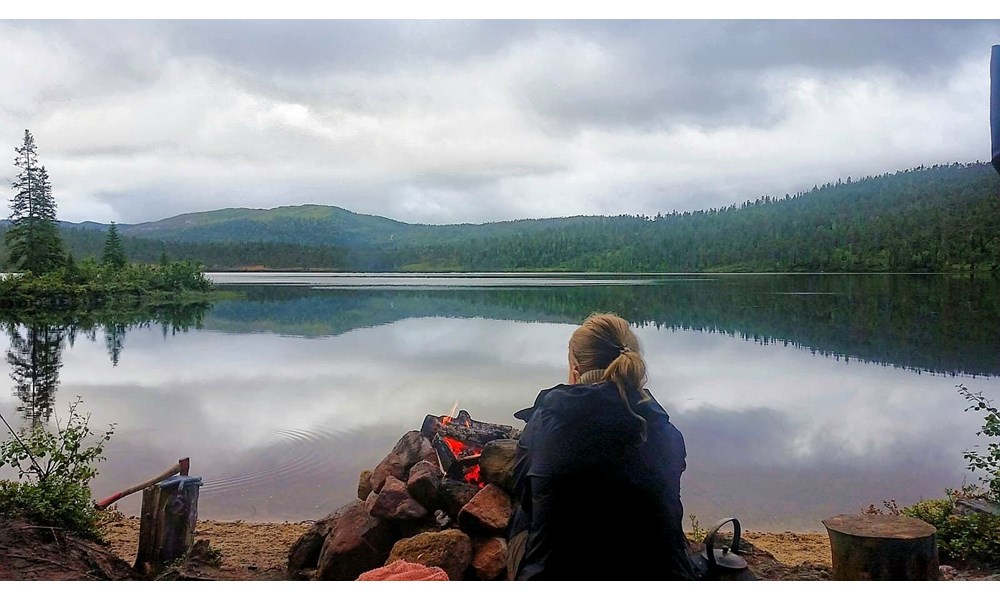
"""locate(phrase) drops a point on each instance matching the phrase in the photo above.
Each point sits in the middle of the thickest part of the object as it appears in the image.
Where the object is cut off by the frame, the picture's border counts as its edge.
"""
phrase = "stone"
(364, 484)
(454, 495)
(427, 453)
(357, 543)
(370, 501)
(391, 466)
(972, 506)
(304, 553)
(496, 465)
(425, 477)
(449, 549)
(408, 451)
(948, 573)
(487, 513)
(394, 502)
(489, 558)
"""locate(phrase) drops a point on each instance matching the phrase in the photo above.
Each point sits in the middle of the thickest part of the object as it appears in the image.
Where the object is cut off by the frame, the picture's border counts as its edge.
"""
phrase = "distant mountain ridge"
(941, 218)
(315, 224)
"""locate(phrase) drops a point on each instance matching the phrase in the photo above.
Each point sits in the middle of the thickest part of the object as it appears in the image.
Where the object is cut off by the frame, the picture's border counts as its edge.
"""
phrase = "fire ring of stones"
(440, 498)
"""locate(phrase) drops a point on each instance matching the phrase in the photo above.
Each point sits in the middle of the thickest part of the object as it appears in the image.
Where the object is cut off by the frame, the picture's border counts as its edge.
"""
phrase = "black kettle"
(722, 564)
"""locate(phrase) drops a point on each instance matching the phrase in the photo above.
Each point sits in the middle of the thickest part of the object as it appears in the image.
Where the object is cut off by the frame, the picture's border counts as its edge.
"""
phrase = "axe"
(182, 467)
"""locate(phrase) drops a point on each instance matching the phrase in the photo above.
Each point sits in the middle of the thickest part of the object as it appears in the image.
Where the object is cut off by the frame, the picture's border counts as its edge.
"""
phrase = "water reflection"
(37, 340)
(935, 323)
(35, 356)
(786, 389)
(781, 437)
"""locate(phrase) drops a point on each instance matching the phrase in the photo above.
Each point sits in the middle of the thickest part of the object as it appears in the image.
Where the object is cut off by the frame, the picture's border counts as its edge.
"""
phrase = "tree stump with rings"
(882, 547)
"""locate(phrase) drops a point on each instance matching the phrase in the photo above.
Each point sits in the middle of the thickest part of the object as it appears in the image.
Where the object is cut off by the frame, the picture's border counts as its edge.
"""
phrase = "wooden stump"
(882, 547)
(166, 526)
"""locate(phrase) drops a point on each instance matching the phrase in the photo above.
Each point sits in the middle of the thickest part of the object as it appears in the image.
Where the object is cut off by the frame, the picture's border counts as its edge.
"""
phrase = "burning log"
(466, 429)
(459, 443)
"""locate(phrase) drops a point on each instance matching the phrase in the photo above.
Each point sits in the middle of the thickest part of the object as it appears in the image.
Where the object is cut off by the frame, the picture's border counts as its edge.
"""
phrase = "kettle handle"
(710, 538)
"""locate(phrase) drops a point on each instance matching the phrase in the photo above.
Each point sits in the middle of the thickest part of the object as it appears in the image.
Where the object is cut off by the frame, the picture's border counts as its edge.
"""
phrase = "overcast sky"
(473, 121)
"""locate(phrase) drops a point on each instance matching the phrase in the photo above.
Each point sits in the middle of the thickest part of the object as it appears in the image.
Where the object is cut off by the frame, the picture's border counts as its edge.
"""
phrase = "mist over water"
(799, 396)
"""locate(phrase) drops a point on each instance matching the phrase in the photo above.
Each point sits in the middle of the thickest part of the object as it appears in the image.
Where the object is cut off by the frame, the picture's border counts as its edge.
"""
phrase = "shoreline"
(259, 550)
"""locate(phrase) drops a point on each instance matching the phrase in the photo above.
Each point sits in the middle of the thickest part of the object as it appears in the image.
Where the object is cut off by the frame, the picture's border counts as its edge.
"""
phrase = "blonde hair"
(605, 342)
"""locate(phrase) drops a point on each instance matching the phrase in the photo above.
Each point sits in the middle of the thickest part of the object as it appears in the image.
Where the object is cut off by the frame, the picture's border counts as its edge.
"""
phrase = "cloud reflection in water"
(281, 426)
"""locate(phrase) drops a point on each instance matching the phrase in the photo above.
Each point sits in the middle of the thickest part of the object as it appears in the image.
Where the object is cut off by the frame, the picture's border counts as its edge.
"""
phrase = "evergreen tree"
(114, 250)
(33, 239)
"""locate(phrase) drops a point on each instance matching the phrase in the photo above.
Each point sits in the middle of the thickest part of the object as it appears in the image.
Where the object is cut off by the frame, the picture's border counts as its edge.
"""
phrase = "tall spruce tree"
(33, 239)
(114, 250)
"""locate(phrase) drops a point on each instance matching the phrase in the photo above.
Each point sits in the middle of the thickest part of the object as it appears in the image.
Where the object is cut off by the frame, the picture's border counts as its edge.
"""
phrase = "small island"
(43, 275)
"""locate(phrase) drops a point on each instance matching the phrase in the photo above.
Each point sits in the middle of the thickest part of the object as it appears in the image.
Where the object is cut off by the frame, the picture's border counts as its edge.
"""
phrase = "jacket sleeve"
(534, 490)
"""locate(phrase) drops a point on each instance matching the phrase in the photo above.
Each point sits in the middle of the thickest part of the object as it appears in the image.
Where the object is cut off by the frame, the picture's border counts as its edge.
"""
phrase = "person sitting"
(597, 471)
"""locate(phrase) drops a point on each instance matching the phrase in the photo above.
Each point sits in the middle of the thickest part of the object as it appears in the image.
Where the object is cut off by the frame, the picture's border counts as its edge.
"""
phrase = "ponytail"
(606, 342)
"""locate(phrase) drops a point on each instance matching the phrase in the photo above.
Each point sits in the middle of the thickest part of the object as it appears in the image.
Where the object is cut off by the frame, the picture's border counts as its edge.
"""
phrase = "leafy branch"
(987, 461)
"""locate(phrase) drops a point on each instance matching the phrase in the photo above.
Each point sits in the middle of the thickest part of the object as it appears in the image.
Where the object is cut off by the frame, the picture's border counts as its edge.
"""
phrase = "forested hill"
(312, 224)
(941, 218)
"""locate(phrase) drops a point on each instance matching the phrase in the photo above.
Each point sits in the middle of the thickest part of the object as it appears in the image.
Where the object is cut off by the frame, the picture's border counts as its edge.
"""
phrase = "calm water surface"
(799, 396)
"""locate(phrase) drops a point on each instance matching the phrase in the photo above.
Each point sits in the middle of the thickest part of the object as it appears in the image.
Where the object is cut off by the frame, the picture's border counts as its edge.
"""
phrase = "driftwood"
(882, 547)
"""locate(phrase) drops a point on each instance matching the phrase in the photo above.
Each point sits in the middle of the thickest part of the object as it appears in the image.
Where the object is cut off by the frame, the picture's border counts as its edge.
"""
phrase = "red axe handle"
(182, 467)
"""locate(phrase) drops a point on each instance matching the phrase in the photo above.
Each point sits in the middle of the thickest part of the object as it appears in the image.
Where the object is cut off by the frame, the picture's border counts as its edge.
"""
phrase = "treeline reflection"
(936, 323)
(38, 339)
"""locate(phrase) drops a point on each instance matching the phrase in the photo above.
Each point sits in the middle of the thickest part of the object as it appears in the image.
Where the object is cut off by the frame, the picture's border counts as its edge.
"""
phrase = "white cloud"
(556, 121)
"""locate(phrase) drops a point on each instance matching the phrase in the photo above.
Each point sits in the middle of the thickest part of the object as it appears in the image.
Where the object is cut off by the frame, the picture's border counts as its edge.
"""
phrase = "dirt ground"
(242, 551)
(249, 551)
(259, 551)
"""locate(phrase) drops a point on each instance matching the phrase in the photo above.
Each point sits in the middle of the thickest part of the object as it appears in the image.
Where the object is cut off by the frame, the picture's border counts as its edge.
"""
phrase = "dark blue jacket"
(599, 503)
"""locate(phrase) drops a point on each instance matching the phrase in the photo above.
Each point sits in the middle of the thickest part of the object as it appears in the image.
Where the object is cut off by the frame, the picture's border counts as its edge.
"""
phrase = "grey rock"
(395, 502)
(357, 543)
(487, 513)
(304, 553)
(449, 549)
(496, 465)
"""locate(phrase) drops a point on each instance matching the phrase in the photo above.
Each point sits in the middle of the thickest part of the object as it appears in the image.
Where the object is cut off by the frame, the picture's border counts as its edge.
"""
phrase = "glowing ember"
(454, 445)
(472, 476)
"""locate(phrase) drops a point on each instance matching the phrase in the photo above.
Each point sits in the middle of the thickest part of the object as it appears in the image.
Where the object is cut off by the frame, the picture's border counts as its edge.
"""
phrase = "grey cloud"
(111, 56)
(292, 48)
(440, 121)
(710, 73)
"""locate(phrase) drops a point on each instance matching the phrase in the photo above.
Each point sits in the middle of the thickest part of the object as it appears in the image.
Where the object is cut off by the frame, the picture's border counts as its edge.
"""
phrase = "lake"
(799, 396)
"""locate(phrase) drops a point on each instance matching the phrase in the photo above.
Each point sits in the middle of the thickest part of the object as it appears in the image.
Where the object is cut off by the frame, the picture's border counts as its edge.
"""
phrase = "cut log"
(169, 514)
(882, 547)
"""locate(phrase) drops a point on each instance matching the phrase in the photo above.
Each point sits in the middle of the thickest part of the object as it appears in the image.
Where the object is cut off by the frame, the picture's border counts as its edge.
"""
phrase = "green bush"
(966, 539)
(54, 470)
(988, 461)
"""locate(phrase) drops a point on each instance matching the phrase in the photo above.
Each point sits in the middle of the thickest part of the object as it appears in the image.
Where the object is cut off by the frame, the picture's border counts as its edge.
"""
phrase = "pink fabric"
(404, 571)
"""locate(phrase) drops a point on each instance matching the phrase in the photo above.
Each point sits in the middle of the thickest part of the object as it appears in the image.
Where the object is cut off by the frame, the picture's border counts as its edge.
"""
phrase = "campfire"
(441, 497)
(458, 442)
